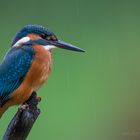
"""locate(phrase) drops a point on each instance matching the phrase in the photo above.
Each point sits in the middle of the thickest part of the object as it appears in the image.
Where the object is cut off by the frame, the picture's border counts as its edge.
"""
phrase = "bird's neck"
(43, 55)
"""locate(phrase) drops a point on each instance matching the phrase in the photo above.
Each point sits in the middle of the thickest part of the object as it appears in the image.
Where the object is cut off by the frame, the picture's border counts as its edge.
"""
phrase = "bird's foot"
(38, 98)
(23, 107)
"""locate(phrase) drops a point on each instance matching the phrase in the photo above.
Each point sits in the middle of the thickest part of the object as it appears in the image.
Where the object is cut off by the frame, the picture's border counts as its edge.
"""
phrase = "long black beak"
(64, 45)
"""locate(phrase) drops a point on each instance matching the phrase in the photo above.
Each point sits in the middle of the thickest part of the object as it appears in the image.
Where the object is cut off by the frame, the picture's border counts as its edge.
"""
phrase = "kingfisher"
(27, 64)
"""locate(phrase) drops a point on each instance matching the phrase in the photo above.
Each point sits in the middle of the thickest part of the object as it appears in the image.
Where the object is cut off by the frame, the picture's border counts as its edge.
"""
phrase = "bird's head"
(36, 34)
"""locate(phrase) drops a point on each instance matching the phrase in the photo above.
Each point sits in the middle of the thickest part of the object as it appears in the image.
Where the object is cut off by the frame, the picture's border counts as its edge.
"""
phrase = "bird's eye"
(52, 38)
(49, 37)
(43, 36)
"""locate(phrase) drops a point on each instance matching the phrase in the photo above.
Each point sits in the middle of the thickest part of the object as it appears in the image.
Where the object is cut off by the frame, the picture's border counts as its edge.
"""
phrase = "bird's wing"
(14, 67)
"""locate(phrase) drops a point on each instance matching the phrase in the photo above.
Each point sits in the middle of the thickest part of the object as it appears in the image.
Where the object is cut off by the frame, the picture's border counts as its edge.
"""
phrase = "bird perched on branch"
(27, 64)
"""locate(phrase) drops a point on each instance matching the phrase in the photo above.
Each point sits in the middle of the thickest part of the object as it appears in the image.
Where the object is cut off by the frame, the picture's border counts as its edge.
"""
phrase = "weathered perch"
(22, 122)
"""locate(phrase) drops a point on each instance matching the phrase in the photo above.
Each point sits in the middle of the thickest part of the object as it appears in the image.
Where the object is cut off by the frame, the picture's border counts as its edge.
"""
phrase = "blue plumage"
(14, 67)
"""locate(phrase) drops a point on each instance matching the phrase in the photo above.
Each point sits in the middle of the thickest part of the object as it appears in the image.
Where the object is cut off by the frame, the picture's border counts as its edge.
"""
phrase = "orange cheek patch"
(33, 36)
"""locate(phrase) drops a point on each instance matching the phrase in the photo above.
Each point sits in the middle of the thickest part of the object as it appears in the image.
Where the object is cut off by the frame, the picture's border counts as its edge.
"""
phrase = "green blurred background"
(89, 96)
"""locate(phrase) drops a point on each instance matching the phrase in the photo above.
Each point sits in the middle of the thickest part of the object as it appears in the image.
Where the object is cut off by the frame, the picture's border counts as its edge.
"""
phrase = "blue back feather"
(13, 69)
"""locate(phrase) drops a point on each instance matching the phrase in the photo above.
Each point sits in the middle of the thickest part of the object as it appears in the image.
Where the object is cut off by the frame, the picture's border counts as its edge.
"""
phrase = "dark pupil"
(43, 36)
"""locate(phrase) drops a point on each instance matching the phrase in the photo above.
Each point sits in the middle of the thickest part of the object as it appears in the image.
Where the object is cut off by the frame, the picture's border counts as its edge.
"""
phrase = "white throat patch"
(21, 41)
(48, 47)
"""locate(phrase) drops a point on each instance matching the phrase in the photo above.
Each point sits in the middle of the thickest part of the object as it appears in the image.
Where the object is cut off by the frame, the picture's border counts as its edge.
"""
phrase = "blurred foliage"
(89, 96)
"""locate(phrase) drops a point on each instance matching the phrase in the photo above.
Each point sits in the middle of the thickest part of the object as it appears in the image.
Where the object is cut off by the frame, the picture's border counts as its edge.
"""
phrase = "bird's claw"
(23, 107)
(38, 98)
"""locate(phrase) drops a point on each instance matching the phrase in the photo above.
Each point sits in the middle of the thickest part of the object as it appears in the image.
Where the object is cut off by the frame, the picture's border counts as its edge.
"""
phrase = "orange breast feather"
(36, 76)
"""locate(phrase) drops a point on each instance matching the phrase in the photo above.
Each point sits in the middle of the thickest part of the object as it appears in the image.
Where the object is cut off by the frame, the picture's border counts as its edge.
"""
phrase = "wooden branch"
(22, 122)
